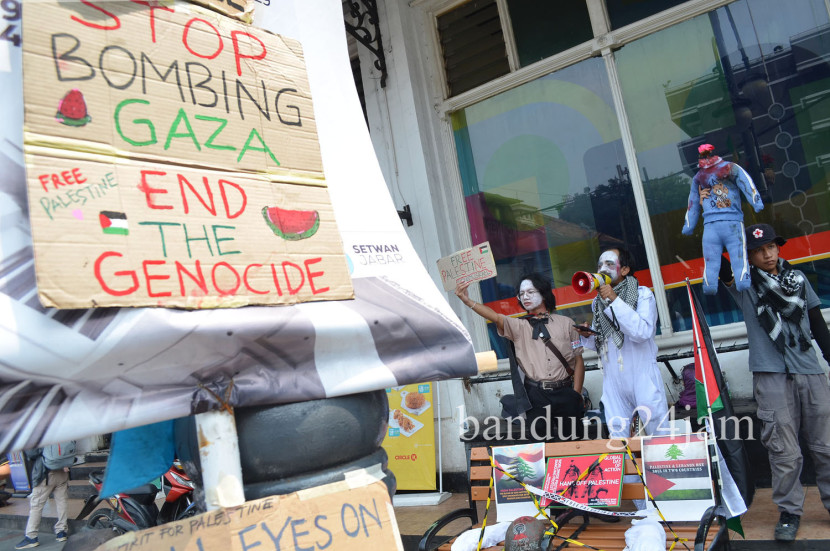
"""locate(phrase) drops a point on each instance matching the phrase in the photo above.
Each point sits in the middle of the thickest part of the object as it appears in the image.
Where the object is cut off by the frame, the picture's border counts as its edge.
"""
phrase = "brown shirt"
(534, 356)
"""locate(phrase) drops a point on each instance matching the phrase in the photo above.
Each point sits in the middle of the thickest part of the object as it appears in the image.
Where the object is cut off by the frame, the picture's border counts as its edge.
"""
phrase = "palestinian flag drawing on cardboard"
(114, 222)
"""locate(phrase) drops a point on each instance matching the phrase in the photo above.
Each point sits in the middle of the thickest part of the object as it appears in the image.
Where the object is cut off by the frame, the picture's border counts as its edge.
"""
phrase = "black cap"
(759, 235)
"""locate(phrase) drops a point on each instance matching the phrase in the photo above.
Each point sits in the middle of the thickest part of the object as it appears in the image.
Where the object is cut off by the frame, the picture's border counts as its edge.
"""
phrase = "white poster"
(526, 464)
(678, 475)
(68, 374)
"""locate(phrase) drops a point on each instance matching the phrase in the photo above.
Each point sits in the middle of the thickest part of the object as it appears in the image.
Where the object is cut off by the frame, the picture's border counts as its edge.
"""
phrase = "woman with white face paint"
(625, 321)
(548, 372)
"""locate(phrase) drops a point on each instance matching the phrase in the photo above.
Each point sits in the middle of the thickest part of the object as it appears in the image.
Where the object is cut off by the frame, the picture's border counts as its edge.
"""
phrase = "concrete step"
(80, 489)
(100, 456)
(81, 471)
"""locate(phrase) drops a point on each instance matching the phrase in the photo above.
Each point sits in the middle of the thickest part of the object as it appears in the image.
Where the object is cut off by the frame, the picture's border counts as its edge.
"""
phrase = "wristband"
(473, 306)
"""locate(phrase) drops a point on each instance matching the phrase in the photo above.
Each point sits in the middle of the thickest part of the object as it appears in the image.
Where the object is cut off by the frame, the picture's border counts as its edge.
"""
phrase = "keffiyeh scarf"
(609, 328)
(781, 298)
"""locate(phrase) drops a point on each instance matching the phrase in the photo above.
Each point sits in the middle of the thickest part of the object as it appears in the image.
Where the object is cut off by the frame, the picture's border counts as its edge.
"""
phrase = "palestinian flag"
(713, 403)
(114, 222)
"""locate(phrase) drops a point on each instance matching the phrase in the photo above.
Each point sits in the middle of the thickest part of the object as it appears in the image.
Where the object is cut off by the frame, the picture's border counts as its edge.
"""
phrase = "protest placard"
(526, 464)
(334, 516)
(172, 160)
(678, 475)
(600, 486)
(473, 264)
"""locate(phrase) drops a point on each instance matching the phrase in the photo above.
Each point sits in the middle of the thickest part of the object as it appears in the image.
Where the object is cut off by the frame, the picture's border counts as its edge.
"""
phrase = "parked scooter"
(136, 509)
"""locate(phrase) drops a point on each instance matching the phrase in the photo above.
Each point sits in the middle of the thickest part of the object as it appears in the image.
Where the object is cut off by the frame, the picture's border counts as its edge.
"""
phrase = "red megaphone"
(585, 282)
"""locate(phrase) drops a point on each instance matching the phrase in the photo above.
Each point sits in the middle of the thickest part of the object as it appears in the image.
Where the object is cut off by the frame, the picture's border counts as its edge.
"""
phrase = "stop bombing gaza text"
(120, 68)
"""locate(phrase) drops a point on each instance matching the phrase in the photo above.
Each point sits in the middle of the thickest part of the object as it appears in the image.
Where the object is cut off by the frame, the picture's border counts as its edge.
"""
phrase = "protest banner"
(71, 373)
(172, 160)
(336, 516)
(468, 265)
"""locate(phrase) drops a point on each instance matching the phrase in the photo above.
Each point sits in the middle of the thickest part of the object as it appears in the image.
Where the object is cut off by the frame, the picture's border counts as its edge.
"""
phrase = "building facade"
(554, 128)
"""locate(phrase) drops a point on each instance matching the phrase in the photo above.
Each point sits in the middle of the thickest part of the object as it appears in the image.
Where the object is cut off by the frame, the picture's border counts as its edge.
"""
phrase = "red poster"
(600, 486)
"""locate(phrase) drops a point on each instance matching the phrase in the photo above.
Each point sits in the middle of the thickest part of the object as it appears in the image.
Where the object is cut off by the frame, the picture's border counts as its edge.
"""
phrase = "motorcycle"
(136, 509)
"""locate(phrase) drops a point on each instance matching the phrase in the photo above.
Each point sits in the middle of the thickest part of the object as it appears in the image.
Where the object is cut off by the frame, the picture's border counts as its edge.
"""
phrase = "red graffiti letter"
(239, 56)
(112, 27)
(145, 188)
(189, 49)
(312, 275)
(107, 289)
(153, 7)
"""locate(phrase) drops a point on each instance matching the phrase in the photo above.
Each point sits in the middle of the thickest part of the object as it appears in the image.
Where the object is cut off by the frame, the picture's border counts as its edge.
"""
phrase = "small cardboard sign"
(335, 516)
(172, 160)
(473, 264)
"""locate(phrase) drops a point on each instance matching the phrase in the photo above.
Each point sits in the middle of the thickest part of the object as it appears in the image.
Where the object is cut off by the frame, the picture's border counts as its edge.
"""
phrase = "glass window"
(625, 12)
(546, 183)
(756, 85)
(543, 29)
(473, 45)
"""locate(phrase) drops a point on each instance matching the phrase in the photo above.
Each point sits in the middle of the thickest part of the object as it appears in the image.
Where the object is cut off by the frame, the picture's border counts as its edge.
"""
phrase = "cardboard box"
(172, 160)
(335, 516)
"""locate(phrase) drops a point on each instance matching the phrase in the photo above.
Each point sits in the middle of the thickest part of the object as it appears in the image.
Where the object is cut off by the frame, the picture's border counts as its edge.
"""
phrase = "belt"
(551, 385)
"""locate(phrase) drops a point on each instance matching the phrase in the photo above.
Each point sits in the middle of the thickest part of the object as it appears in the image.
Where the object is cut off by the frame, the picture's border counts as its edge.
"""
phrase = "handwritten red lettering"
(225, 292)
(150, 278)
(189, 49)
(312, 275)
(238, 54)
(150, 192)
(114, 26)
(107, 289)
(153, 5)
(64, 178)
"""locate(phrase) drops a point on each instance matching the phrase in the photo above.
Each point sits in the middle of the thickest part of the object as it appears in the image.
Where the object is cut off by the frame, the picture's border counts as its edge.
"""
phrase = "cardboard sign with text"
(172, 160)
(333, 516)
(473, 264)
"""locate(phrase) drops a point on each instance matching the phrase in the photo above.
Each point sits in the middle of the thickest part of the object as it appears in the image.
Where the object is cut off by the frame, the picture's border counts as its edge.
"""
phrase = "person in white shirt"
(623, 330)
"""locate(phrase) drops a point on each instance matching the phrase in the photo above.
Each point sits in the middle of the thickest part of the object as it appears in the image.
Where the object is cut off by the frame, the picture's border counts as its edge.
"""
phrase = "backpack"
(58, 456)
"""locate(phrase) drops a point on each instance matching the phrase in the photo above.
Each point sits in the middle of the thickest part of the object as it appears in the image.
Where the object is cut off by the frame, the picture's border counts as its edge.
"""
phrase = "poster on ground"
(526, 464)
(594, 480)
(348, 516)
(410, 436)
(678, 475)
(70, 373)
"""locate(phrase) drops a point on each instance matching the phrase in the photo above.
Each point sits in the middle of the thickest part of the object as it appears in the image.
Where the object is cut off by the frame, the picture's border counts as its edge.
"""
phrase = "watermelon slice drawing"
(72, 109)
(292, 225)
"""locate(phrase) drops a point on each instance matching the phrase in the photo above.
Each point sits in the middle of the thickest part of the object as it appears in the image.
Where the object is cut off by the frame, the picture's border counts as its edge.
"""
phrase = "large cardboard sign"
(172, 160)
(466, 266)
(333, 516)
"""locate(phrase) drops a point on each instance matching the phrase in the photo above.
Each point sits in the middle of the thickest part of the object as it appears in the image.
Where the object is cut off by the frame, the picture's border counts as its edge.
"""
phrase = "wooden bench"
(587, 529)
